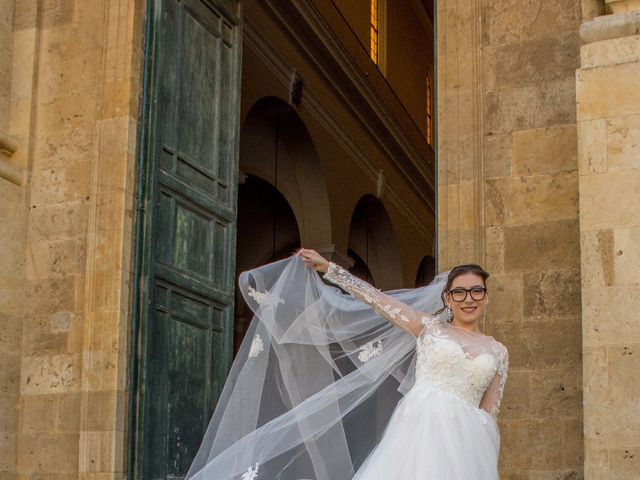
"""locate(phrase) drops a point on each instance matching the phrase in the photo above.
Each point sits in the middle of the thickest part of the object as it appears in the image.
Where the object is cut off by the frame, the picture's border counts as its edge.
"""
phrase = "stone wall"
(66, 234)
(508, 199)
(608, 97)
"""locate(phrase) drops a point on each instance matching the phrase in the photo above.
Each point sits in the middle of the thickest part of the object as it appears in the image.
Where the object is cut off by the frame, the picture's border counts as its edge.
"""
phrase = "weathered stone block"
(9, 373)
(50, 374)
(596, 462)
(521, 63)
(544, 445)
(102, 410)
(7, 452)
(60, 221)
(545, 150)
(105, 331)
(10, 333)
(557, 393)
(618, 426)
(56, 13)
(494, 250)
(608, 91)
(100, 371)
(68, 417)
(516, 21)
(38, 413)
(48, 453)
(627, 250)
(12, 258)
(39, 339)
(100, 452)
(497, 155)
(67, 78)
(542, 105)
(48, 296)
(623, 142)
(516, 403)
(624, 463)
(61, 184)
(505, 297)
(610, 314)
(610, 52)
(592, 146)
(603, 207)
(55, 258)
(546, 245)
(551, 293)
(596, 248)
(542, 344)
(9, 411)
(573, 440)
(64, 147)
(524, 200)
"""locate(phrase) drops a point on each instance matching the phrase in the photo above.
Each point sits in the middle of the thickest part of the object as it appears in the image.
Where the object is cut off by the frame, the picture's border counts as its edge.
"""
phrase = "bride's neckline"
(469, 331)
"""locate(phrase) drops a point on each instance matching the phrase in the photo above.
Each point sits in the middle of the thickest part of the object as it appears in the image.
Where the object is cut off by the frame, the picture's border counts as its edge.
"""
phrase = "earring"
(484, 313)
(449, 314)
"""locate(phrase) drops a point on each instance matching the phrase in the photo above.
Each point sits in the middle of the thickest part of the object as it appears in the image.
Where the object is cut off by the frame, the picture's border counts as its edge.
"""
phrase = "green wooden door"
(190, 166)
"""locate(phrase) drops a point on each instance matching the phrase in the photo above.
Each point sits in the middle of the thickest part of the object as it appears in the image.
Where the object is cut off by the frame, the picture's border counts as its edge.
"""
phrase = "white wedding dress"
(320, 368)
(445, 426)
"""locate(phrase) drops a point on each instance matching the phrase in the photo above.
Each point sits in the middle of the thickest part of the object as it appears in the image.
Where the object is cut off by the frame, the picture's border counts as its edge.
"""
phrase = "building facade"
(152, 150)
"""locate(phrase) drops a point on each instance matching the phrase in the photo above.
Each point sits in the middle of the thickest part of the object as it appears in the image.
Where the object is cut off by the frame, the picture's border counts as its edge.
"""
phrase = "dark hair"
(461, 270)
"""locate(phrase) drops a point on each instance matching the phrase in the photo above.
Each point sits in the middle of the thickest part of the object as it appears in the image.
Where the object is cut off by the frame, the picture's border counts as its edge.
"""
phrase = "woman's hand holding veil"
(314, 260)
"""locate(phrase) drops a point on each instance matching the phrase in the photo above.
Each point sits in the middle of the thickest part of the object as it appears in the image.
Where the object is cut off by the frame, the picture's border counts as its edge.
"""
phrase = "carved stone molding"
(622, 6)
(608, 27)
(8, 170)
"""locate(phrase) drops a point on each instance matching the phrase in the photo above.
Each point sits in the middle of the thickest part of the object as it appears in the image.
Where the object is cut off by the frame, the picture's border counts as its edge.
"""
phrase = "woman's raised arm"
(386, 306)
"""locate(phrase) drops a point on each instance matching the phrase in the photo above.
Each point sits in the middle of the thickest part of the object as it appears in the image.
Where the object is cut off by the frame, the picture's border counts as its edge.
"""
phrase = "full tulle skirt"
(433, 435)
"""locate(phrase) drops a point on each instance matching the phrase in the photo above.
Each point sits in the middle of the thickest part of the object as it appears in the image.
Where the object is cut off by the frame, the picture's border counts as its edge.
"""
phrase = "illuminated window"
(374, 31)
(429, 111)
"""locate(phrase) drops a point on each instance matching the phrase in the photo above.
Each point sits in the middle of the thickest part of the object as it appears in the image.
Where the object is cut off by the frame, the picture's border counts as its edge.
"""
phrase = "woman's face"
(471, 309)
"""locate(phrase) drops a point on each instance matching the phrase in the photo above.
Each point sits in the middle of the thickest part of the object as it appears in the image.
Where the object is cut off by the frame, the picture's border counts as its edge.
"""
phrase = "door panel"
(189, 229)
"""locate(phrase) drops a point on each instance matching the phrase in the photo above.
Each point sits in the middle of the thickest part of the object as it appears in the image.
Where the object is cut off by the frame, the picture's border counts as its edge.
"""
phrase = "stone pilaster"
(608, 100)
(508, 199)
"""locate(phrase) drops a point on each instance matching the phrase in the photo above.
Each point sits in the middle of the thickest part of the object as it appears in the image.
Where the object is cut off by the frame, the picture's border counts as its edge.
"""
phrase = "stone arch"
(426, 271)
(273, 130)
(267, 231)
(372, 238)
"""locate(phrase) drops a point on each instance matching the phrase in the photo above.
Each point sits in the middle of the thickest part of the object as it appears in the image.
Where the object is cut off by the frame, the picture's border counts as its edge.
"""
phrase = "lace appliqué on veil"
(257, 346)
(251, 473)
(370, 350)
(265, 299)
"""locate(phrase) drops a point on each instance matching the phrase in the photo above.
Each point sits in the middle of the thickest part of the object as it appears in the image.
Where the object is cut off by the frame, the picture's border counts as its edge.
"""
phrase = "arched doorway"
(372, 239)
(426, 271)
(267, 231)
(276, 146)
(282, 196)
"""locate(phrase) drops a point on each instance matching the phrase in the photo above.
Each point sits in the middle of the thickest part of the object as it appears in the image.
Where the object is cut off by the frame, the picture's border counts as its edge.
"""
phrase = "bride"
(318, 370)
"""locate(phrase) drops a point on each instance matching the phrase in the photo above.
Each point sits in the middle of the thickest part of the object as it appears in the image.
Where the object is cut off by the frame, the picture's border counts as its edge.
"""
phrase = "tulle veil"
(314, 382)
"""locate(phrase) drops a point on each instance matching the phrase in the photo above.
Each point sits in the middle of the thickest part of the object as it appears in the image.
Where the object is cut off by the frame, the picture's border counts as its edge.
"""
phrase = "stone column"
(608, 109)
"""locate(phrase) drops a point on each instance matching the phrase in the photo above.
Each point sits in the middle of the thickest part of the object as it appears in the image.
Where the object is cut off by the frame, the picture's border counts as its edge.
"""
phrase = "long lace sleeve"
(388, 307)
(493, 395)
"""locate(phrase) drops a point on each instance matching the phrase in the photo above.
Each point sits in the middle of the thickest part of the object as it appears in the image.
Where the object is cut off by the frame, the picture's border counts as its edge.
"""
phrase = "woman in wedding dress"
(451, 410)
(291, 410)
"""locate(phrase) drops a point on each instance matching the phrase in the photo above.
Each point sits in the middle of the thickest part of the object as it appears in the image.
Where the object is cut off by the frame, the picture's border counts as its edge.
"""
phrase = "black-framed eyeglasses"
(459, 294)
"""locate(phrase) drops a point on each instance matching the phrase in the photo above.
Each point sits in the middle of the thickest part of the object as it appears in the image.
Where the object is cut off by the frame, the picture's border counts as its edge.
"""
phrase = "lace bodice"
(469, 366)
